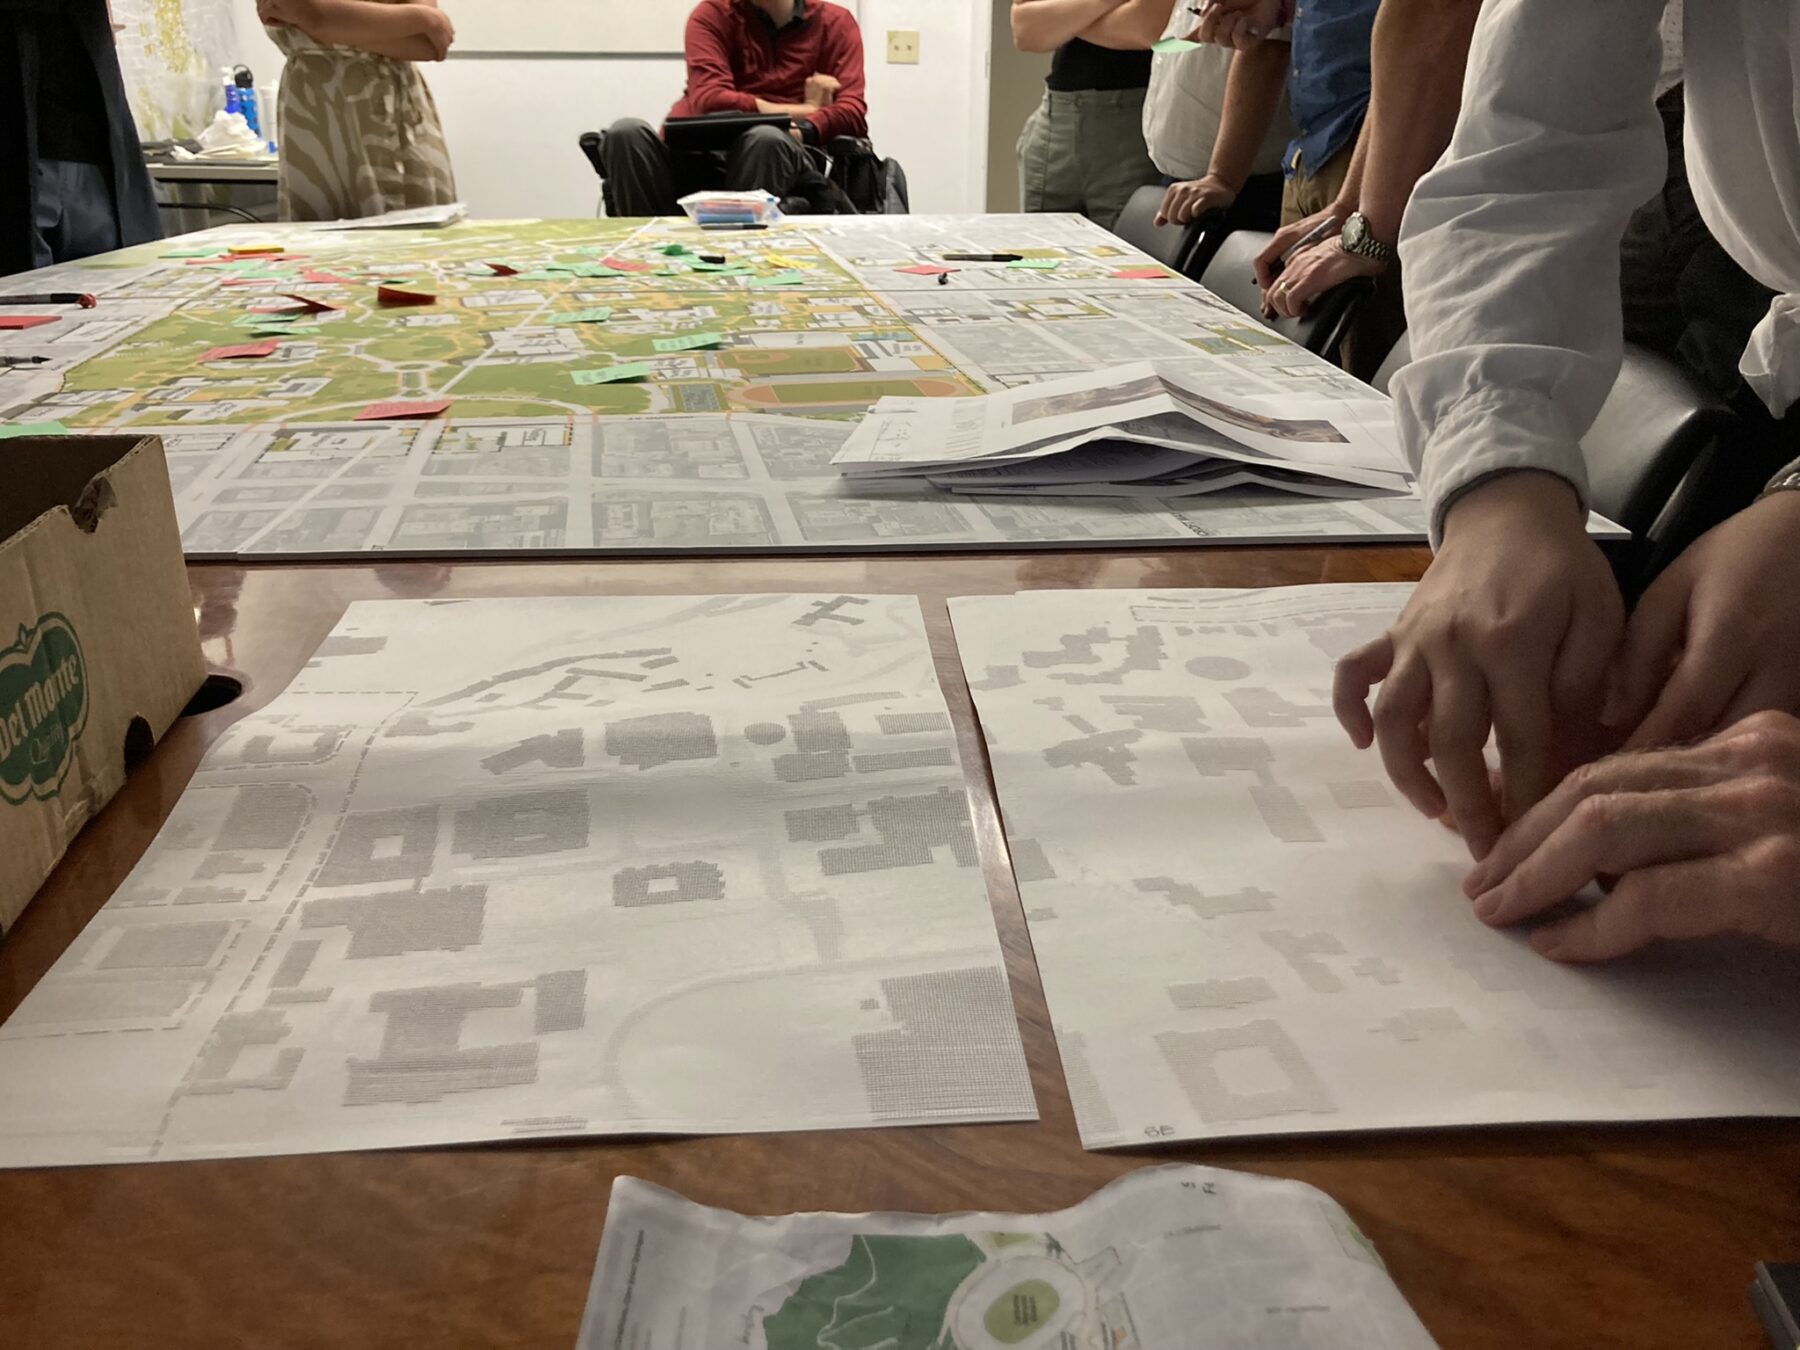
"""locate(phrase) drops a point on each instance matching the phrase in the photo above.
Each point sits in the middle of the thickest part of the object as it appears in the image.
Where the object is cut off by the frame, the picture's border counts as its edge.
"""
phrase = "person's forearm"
(769, 109)
(365, 24)
(1044, 25)
(1418, 55)
(1131, 27)
(1349, 196)
(1252, 94)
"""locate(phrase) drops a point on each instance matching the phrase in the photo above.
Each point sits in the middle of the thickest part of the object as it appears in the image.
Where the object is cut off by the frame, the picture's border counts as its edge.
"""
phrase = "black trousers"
(645, 178)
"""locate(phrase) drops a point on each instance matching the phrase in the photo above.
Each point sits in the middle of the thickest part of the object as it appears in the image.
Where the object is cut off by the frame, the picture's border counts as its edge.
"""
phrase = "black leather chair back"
(1231, 275)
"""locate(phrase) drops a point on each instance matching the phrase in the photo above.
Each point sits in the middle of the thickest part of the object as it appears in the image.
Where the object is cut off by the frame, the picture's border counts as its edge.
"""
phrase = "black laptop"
(717, 131)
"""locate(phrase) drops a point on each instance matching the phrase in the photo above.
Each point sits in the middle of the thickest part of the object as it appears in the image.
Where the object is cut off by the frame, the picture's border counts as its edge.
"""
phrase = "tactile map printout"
(1244, 930)
(1167, 1258)
(494, 869)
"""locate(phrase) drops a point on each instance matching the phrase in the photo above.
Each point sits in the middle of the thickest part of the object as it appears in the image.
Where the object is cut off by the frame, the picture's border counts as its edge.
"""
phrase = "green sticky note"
(193, 252)
(781, 279)
(631, 370)
(1036, 264)
(583, 316)
(10, 429)
(700, 265)
(674, 250)
(1168, 45)
(693, 342)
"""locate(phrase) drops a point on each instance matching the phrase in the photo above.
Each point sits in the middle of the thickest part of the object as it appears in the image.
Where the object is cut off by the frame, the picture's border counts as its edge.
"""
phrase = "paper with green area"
(693, 342)
(619, 374)
(1035, 264)
(8, 430)
(1169, 1256)
(598, 315)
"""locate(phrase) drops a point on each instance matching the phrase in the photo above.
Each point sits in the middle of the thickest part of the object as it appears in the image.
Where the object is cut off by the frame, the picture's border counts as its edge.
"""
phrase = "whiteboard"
(573, 27)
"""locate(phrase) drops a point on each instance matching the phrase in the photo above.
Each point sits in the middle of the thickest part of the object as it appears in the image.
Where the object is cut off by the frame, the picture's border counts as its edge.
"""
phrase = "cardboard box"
(98, 649)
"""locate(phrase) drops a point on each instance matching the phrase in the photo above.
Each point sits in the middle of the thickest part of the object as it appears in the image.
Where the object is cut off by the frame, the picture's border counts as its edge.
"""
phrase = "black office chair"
(1397, 356)
(1231, 275)
(869, 183)
(1171, 245)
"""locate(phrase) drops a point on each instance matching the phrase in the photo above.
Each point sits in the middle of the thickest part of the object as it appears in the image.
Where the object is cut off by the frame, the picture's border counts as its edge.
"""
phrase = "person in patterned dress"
(359, 131)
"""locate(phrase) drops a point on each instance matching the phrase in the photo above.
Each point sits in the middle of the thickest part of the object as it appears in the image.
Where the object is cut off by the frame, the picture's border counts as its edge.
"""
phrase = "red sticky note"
(622, 265)
(26, 320)
(311, 304)
(381, 412)
(312, 277)
(1141, 273)
(243, 351)
(395, 295)
(925, 270)
(503, 269)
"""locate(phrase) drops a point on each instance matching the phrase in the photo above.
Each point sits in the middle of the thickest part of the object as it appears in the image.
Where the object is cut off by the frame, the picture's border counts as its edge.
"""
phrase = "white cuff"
(1493, 432)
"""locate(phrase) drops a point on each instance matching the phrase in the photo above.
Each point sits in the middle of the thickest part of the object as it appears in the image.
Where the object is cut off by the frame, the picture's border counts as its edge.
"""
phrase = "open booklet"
(1135, 430)
(1166, 1257)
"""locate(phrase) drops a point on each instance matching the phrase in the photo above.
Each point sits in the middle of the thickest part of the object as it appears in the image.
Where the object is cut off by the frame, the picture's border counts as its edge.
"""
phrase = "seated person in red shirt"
(796, 58)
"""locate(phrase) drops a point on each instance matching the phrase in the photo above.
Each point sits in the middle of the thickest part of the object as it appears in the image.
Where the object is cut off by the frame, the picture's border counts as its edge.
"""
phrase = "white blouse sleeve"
(1511, 244)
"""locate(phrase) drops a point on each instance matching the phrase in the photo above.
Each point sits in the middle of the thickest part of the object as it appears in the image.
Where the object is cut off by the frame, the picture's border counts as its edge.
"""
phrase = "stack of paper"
(1140, 430)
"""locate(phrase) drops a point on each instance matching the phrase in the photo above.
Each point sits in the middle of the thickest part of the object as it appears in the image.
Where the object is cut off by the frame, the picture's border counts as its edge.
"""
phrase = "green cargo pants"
(1084, 151)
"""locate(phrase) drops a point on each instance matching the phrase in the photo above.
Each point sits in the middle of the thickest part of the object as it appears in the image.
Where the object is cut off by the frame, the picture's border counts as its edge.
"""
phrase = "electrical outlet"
(903, 47)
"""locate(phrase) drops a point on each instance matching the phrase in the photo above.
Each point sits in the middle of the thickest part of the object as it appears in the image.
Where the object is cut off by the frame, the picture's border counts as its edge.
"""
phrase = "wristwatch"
(1357, 238)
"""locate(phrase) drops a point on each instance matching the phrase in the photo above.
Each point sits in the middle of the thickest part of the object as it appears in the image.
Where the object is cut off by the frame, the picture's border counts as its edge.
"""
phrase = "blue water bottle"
(244, 83)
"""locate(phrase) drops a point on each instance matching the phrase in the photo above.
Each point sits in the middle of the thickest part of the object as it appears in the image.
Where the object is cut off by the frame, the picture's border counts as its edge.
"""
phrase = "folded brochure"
(1175, 1256)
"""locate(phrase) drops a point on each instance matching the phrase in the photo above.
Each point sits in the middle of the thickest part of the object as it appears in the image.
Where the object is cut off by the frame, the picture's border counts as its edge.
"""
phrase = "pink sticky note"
(396, 295)
(313, 277)
(243, 351)
(26, 320)
(249, 281)
(381, 412)
(623, 265)
(1141, 273)
(311, 304)
(925, 270)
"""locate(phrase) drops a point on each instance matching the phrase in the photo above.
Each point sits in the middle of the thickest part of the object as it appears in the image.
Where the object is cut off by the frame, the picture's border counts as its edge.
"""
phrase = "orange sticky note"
(395, 295)
(1142, 273)
(925, 270)
(243, 351)
(313, 277)
(249, 249)
(380, 412)
(26, 320)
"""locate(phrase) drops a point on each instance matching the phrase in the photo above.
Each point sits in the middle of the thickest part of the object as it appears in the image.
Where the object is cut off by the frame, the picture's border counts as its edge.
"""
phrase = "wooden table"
(1638, 1236)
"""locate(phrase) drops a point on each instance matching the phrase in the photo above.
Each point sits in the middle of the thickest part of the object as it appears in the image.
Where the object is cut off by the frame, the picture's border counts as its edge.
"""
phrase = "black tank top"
(1083, 65)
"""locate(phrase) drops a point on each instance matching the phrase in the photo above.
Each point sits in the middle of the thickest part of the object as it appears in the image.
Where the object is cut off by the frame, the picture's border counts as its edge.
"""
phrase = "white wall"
(512, 122)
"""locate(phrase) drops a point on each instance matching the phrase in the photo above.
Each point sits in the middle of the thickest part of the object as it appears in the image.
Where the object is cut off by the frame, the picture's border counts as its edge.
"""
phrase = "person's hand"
(1311, 273)
(1717, 635)
(435, 27)
(821, 90)
(1240, 23)
(1288, 237)
(1185, 202)
(1512, 627)
(1703, 840)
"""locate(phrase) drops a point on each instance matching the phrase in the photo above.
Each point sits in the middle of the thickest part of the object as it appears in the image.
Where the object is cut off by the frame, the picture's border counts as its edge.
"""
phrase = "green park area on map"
(892, 1292)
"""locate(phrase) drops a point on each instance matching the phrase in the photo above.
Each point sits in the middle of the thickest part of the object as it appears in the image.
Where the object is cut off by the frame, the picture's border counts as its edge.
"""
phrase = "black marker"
(983, 257)
(54, 298)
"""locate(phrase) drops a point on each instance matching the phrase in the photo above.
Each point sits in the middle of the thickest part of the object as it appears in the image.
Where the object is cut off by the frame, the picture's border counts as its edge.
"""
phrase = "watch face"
(1356, 232)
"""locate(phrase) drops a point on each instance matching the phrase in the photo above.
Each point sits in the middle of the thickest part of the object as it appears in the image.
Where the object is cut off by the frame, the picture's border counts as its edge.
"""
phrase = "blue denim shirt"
(1328, 78)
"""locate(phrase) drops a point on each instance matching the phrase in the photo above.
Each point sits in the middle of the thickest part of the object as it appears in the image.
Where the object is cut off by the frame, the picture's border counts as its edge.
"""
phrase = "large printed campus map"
(724, 445)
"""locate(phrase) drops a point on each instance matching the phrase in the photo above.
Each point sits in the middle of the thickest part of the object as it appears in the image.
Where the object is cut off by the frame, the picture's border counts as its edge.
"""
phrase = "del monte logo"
(43, 708)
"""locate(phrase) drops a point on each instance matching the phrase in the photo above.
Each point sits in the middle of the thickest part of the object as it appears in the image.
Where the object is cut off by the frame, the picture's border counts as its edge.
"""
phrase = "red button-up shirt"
(736, 56)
